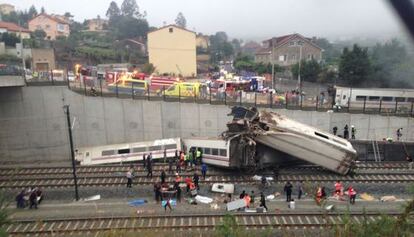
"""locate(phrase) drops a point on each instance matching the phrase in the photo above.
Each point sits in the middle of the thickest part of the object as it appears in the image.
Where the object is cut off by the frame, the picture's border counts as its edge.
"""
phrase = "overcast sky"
(251, 19)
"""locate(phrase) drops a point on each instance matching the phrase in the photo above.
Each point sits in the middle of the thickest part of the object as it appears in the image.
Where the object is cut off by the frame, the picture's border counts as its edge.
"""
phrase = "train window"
(123, 151)
(223, 152)
(139, 149)
(214, 152)
(399, 99)
(410, 99)
(170, 146)
(108, 153)
(207, 151)
(386, 98)
(344, 97)
(321, 135)
(373, 98)
(155, 148)
(361, 98)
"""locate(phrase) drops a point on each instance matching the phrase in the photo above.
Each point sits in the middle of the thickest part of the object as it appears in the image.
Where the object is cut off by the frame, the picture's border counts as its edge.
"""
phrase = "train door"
(342, 96)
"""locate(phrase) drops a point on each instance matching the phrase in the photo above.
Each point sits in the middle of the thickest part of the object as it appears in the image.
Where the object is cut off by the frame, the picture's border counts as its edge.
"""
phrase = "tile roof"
(53, 18)
(281, 40)
(171, 25)
(13, 27)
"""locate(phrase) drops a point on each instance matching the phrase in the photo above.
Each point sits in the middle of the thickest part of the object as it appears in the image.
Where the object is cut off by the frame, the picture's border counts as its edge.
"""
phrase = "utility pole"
(72, 153)
(22, 53)
(273, 65)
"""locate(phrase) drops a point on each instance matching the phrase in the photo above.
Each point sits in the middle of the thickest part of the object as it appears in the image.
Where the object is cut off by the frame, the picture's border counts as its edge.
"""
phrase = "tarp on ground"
(137, 202)
(223, 188)
(202, 199)
(367, 197)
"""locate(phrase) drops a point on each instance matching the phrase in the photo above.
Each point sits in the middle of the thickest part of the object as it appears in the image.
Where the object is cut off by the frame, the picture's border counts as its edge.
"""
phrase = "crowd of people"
(30, 197)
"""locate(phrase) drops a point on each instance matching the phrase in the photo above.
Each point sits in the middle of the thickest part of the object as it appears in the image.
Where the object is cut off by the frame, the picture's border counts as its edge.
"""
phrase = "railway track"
(58, 181)
(94, 226)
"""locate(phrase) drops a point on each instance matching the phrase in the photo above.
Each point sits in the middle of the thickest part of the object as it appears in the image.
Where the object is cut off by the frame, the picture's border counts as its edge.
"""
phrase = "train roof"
(376, 89)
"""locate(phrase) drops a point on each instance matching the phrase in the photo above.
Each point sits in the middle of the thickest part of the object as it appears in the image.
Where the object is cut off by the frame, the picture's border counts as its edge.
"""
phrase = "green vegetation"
(309, 70)
(180, 20)
(9, 39)
(4, 215)
(246, 63)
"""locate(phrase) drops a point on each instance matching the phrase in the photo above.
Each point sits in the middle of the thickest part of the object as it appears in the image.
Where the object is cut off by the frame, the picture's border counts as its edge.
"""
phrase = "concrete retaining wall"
(33, 123)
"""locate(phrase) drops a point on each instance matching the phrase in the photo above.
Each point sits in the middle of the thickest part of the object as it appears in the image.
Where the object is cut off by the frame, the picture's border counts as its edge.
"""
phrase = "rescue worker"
(170, 165)
(300, 189)
(167, 204)
(351, 194)
(129, 176)
(252, 198)
(319, 196)
(399, 133)
(242, 194)
(33, 199)
(247, 200)
(144, 161)
(149, 165)
(353, 131)
(198, 156)
(264, 181)
(288, 190)
(193, 157)
(177, 178)
(263, 200)
(410, 162)
(338, 189)
(178, 191)
(204, 170)
(346, 132)
(157, 191)
(196, 180)
(20, 199)
(188, 182)
(178, 166)
(163, 176)
(335, 130)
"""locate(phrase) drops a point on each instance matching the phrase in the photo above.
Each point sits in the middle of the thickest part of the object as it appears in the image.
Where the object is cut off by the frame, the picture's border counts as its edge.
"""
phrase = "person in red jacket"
(351, 194)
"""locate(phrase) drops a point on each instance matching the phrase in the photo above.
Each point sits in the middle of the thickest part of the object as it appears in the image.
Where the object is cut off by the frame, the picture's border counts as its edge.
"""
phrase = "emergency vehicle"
(183, 89)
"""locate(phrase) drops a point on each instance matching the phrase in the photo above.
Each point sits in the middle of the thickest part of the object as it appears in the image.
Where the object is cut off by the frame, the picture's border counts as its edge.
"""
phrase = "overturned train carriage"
(286, 136)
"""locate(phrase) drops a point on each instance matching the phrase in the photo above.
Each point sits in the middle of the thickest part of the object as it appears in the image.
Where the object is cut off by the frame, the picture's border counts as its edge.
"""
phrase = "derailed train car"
(296, 139)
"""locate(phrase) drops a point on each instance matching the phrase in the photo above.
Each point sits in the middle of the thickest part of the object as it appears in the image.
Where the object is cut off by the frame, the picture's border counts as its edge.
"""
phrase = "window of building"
(291, 43)
(47, 26)
(60, 27)
(294, 57)
(171, 30)
(285, 57)
(281, 58)
(309, 56)
(299, 43)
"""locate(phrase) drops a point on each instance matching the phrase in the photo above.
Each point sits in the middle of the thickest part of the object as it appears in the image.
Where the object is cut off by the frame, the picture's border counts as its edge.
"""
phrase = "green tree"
(32, 11)
(180, 20)
(4, 215)
(130, 8)
(330, 53)
(309, 70)
(220, 48)
(113, 11)
(9, 39)
(39, 34)
(42, 10)
(355, 66)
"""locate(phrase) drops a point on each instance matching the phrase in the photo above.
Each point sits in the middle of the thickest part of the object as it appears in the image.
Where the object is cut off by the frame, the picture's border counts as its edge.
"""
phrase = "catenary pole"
(72, 153)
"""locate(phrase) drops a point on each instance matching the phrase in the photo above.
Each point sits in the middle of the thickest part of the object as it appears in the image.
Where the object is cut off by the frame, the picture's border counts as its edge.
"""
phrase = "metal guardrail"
(209, 96)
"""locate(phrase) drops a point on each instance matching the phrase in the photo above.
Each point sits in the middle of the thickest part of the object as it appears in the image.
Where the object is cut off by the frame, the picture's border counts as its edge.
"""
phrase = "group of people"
(346, 131)
(30, 197)
(338, 193)
(250, 199)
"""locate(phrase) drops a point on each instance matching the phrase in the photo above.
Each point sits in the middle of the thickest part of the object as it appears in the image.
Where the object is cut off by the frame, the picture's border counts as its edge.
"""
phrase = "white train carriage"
(216, 151)
(373, 98)
(307, 143)
(127, 152)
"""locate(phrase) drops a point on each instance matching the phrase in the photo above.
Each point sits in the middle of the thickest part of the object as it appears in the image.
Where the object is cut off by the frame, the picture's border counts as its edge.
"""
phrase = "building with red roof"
(53, 25)
(9, 27)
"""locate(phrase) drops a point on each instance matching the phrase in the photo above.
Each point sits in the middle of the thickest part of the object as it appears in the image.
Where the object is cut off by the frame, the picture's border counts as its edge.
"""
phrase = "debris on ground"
(137, 202)
(92, 198)
(367, 197)
(270, 197)
(259, 178)
(330, 207)
(214, 206)
(202, 199)
(173, 202)
(237, 204)
(388, 199)
(223, 188)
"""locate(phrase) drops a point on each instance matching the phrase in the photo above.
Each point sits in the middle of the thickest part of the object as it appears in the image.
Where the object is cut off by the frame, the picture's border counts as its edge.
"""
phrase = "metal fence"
(285, 100)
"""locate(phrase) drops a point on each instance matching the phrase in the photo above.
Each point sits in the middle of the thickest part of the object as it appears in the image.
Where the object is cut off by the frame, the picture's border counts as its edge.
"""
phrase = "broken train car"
(277, 139)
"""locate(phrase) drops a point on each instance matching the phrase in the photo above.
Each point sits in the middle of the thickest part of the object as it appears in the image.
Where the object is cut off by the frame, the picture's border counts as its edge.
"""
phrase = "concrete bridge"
(33, 124)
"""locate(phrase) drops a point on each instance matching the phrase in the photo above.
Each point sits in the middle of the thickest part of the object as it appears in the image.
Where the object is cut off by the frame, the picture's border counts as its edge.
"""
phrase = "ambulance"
(183, 89)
